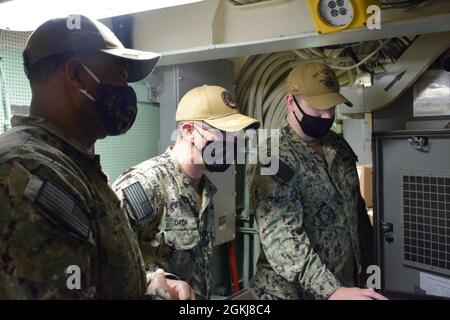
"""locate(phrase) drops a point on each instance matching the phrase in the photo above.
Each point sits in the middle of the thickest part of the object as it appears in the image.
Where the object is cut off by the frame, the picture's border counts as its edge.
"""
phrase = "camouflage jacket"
(173, 234)
(307, 214)
(57, 211)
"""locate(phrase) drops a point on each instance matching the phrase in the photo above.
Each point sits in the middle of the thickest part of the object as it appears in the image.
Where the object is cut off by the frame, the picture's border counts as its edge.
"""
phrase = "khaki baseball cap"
(317, 84)
(77, 33)
(214, 105)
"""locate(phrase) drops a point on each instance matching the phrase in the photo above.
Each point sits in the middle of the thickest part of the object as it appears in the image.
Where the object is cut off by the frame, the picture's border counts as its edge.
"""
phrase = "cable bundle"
(260, 88)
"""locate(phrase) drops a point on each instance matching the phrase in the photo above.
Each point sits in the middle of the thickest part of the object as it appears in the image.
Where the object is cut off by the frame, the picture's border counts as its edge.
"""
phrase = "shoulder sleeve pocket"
(284, 173)
(138, 201)
(60, 206)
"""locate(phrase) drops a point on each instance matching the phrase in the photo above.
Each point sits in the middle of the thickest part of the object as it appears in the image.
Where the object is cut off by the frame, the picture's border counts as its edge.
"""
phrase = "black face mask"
(222, 147)
(315, 127)
(116, 105)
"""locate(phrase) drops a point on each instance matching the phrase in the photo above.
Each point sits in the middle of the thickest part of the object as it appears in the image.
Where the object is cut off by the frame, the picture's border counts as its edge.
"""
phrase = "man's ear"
(73, 73)
(187, 131)
(289, 101)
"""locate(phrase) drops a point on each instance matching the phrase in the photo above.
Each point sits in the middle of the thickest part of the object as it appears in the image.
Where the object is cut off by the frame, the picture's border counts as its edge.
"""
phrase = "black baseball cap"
(76, 33)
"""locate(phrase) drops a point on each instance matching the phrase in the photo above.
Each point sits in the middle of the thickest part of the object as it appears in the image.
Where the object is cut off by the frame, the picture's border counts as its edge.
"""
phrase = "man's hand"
(169, 289)
(356, 294)
(182, 289)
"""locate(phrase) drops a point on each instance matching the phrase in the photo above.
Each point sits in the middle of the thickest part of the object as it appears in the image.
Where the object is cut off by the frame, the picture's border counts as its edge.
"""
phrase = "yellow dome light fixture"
(337, 15)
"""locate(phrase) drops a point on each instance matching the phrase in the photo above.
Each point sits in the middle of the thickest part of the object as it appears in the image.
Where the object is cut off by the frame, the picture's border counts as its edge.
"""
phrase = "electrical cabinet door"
(412, 211)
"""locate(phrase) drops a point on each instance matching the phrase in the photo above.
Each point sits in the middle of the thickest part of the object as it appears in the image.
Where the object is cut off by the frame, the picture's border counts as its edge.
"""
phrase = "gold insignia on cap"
(325, 77)
(228, 100)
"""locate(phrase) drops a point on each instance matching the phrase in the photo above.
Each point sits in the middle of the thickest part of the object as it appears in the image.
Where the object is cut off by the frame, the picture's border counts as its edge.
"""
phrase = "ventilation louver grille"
(426, 222)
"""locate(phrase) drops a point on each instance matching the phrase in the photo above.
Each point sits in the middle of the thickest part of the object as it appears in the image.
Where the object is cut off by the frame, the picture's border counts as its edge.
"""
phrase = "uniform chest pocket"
(350, 174)
(181, 233)
(315, 185)
(346, 177)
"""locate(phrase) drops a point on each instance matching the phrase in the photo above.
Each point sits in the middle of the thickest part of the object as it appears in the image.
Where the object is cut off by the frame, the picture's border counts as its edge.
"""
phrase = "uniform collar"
(328, 144)
(208, 189)
(62, 141)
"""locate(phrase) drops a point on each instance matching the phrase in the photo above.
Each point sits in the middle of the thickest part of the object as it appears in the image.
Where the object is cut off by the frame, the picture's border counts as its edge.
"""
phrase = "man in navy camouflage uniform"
(308, 213)
(62, 234)
(176, 231)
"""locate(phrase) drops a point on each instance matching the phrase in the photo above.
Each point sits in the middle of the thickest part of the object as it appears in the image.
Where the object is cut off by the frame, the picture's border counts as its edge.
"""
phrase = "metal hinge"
(388, 229)
(419, 143)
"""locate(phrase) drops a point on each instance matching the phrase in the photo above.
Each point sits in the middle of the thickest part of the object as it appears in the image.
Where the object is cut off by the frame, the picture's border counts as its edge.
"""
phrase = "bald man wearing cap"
(63, 235)
(169, 199)
(310, 211)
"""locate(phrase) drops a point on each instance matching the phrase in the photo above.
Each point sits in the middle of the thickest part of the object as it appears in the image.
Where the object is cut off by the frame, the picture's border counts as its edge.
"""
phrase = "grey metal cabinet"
(412, 210)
